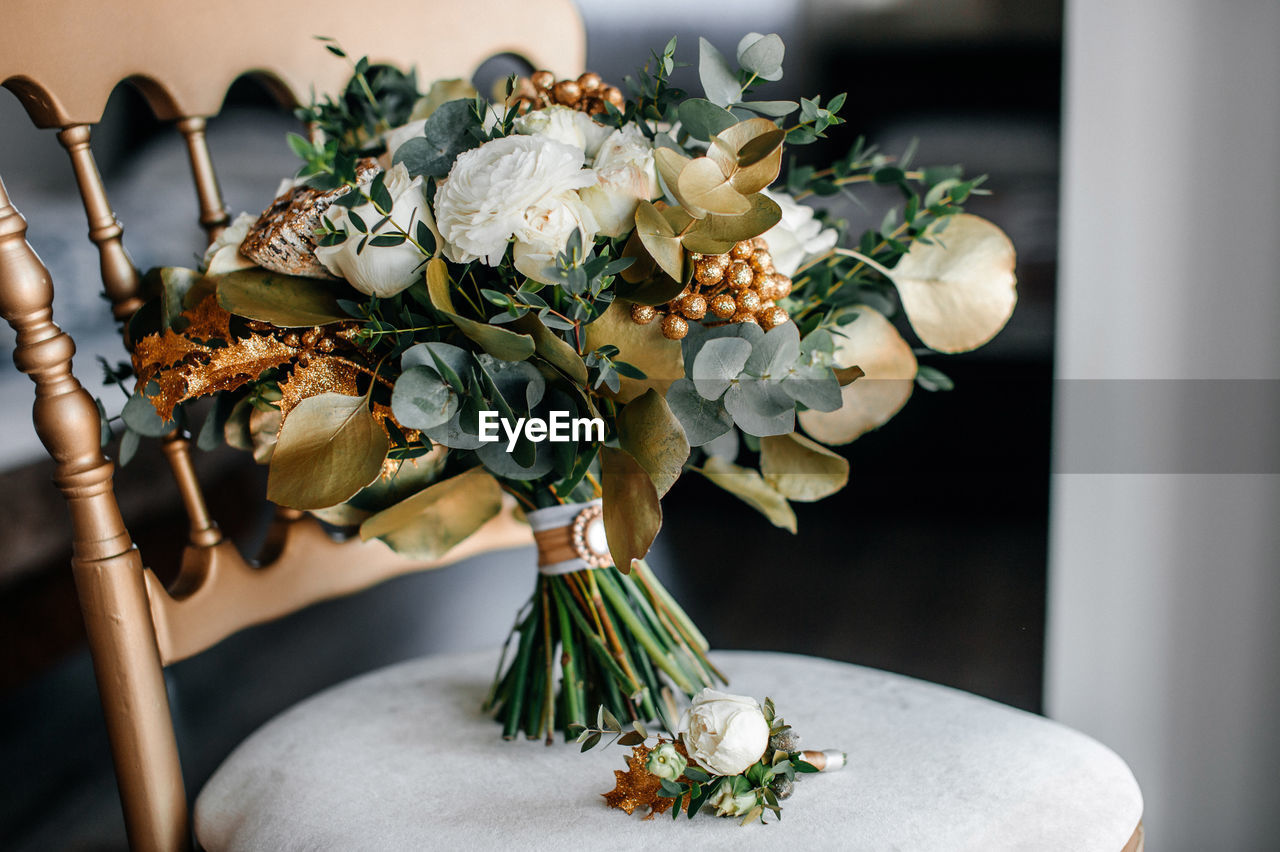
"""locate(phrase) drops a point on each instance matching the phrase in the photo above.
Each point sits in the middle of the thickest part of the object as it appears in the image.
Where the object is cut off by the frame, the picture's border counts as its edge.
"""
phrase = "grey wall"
(1165, 545)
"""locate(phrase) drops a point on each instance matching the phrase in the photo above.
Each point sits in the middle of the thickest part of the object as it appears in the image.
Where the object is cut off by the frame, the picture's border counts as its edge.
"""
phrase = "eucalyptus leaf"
(329, 447)
(762, 55)
(653, 436)
(660, 240)
(498, 342)
(703, 420)
(446, 134)
(632, 511)
(502, 463)
(432, 522)
(702, 119)
(801, 469)
(760, 407)
(718, 80)
(704, 184)
(139, 414)
(288, 301)
(452, 434)
(815, 385)
(716, 234)
(552, 348)
(718, 363)
(748, 486)
(774, 353)
(421, 399)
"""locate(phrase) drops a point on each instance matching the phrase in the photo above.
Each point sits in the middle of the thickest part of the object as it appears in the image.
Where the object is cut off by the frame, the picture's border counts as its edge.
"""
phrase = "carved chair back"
(62, 58)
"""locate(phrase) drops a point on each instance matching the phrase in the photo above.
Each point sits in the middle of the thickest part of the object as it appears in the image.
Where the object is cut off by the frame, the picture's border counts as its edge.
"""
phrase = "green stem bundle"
(592, 638)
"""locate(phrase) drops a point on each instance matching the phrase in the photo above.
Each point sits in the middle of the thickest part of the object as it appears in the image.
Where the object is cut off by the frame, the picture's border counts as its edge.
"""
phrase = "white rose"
(518, 187)
(798, 238)
(223, 254)
(625, 176)
(380, 270)
(730, 804)
(724, 733)
(570, 126)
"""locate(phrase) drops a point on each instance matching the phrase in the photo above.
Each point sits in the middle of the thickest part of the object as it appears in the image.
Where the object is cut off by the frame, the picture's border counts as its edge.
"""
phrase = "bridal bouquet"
(566, 298)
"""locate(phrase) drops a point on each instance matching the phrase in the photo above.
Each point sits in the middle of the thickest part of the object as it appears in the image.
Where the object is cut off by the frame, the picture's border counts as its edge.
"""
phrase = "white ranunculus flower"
(521, 188)
(724, 733)
(223, 254)
(625, 176)
(380, 270)
(799, 237)
(570, 126)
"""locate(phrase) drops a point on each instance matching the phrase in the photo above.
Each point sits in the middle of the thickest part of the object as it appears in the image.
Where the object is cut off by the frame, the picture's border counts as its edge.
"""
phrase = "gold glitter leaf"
(638, 787)
(203, 358)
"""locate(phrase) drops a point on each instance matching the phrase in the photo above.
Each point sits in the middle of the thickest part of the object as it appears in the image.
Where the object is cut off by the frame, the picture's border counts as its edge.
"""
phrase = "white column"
(1164, 593)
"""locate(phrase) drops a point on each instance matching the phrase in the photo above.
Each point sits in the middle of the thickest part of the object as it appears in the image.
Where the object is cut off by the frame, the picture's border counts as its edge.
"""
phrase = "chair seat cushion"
(402, 758)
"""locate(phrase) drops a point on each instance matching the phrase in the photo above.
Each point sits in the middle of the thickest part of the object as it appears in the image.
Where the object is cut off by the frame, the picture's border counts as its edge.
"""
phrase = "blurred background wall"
(1165, 560)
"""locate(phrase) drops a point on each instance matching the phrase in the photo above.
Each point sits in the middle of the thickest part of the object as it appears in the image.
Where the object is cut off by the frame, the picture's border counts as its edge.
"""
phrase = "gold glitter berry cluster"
(741, 286)
(588, 93)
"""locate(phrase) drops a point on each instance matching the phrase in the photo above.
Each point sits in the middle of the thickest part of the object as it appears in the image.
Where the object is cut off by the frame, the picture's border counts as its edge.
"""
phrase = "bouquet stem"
(597, 637)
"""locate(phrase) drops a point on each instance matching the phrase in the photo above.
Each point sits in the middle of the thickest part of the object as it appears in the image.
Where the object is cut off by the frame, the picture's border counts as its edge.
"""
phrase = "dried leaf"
(552, 348)
(660, 240)
(432, 522)
(873, 344)
(716, 234)
(655, 439)
(287, 301)
(498, 342)
(632, 512)
(959, 290)
(329, 448)
(748, 486)
(705, 186)
(800, 469)
(642, 346)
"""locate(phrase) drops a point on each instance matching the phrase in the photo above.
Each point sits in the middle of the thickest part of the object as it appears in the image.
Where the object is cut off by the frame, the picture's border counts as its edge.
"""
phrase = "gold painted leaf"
(748, 154)
(716, 234)
(632, 511)
(552, 347)
(329, 448)
(871, 343)
(655, 439)
(660, 240)
(287, 301)
(498, 342)
(432, 522)
(705, 186)
(747, 485)
(642, 346)
(800, 469)
(959, 291)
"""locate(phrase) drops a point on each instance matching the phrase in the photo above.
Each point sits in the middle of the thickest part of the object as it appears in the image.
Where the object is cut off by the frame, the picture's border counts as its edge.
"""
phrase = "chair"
(62, 58)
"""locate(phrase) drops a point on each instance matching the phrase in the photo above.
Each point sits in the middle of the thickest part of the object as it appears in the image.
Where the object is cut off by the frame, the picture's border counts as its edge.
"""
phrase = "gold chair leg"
(107, 567)
(214, 216)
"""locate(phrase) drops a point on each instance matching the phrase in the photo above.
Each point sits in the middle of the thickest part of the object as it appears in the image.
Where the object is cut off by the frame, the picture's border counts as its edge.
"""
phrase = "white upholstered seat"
(402, 758)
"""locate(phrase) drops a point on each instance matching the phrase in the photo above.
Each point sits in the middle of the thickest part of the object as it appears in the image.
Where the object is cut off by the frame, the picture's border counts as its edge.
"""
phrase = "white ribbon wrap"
(552, 518)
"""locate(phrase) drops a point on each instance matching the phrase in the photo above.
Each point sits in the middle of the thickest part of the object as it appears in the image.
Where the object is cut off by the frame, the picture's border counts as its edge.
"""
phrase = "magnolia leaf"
(288, 301)
(707, 187)
(432, 522)
(702, 419)
(716, 234)
(642, 346)
(552, 348)
(702, 119)
(660, 240)
(718, 80)
(329, 448)
(800, 469)
(872, 344)
(632, 511)
(747, 485)
(655, 439)
(497, 341)
(762, 55)
(719, 362)
(959, 289)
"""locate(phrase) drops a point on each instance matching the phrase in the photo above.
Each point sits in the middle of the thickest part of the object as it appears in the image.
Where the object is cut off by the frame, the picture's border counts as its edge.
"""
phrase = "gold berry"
(542, 79)
(748, 301)
(772, 318)
(762, 261)
(783, 284)
(643, 314)
(760, 244)
(740, 275)
(723, 306)
(591, 106)
(613, 95)
(742, 250)
(674, 327)
(710, 270)
(589, 81)
(745, 316)
(694, 306)
(567, 92)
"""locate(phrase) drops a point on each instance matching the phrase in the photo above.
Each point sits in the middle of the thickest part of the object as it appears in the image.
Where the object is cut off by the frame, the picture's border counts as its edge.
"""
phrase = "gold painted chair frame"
(183, 56)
